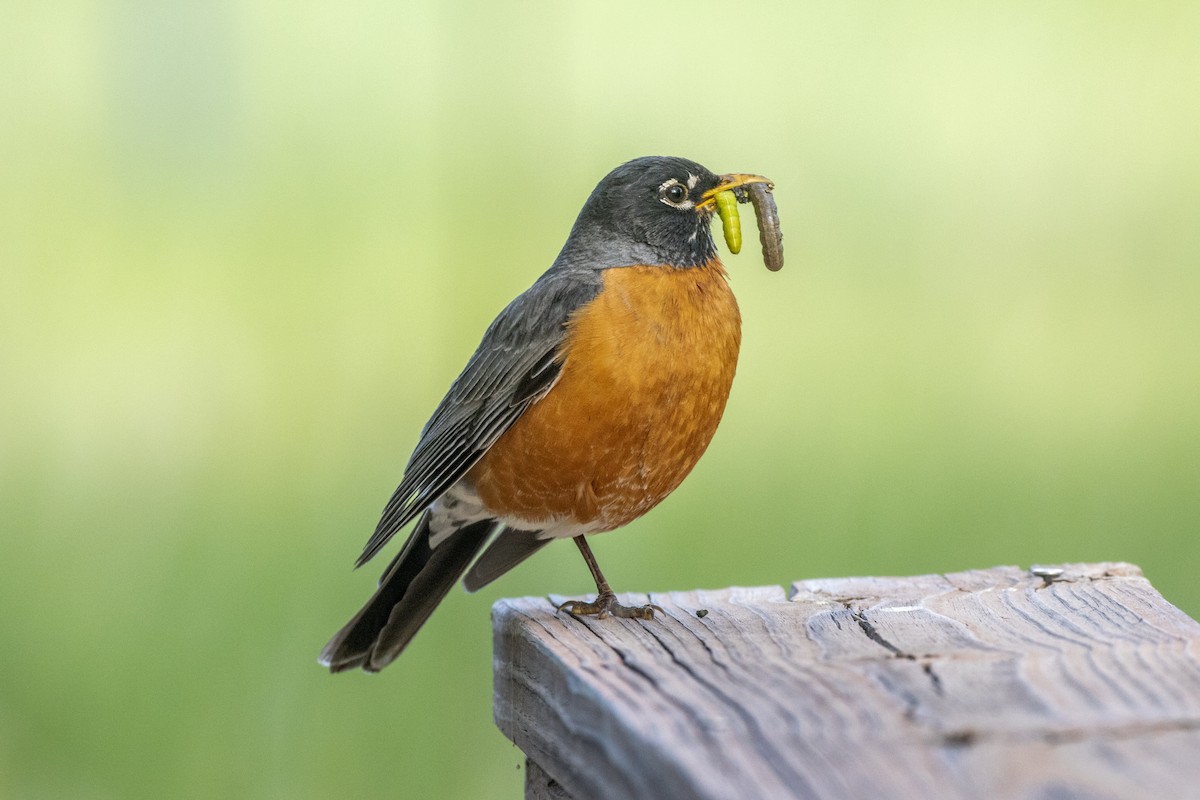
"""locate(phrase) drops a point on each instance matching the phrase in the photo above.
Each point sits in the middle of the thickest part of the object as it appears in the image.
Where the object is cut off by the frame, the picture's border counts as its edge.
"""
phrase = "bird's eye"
(673, 193)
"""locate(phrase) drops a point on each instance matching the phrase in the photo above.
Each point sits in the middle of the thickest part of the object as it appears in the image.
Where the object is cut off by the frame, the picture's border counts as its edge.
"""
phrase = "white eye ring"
(674, 194)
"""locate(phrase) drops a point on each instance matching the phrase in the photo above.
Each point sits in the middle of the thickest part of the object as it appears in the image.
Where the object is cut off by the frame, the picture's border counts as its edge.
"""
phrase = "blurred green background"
(244, 248)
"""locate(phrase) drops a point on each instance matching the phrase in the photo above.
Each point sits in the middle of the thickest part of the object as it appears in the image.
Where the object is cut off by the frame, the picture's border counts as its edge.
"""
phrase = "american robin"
(590, 398)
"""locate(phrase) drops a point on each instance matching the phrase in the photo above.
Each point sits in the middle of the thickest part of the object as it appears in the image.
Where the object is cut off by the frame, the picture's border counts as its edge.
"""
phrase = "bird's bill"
(728, 182)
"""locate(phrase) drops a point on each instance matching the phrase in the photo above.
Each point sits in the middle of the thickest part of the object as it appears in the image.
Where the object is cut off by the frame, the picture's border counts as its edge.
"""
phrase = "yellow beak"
(731, 181)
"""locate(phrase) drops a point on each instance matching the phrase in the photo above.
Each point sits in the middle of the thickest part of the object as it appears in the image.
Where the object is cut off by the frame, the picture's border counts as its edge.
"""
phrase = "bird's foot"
(606, 605)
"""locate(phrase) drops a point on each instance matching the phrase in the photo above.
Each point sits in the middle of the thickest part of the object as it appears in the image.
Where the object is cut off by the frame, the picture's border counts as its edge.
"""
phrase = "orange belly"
(647, 367)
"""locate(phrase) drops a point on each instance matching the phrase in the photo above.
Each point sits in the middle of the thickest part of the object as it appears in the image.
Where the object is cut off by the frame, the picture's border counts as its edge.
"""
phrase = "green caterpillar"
(731, 223)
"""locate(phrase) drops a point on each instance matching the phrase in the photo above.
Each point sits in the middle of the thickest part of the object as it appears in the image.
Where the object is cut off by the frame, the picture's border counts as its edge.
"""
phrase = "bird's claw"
(606, 605)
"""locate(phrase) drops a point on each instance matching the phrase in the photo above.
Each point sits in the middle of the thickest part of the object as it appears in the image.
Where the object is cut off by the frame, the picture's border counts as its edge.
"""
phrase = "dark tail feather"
(510, 548)
(410, 589)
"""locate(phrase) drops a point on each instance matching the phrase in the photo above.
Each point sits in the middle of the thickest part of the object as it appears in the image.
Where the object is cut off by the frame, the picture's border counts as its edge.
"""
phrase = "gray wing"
(514, 365)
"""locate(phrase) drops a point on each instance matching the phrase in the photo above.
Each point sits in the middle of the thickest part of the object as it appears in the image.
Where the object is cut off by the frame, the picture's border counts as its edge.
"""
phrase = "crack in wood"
(961, 737)
(934, 678)
(873, 634)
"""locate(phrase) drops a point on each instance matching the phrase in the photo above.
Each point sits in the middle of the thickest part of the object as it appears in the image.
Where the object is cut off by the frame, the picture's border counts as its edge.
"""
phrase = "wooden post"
(999, 683)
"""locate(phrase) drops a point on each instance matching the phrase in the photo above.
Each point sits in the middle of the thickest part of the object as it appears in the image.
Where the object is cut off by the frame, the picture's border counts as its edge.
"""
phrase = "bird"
(590, 398)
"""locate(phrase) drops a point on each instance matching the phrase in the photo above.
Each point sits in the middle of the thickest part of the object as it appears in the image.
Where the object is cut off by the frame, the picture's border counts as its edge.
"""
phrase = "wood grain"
(991, 683)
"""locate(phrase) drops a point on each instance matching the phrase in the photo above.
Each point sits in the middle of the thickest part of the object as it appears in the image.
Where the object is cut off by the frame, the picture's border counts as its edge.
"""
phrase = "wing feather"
(517, 362)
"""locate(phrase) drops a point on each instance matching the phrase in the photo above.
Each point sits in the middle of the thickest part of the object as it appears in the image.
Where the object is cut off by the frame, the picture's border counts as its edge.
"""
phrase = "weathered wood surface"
(982, 684)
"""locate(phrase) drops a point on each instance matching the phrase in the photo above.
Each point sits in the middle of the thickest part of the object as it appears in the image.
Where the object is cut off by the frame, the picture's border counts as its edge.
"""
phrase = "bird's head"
(652, 210)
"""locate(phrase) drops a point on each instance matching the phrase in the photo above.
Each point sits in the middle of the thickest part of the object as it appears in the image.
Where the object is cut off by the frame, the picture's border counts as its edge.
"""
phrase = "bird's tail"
(410, 589)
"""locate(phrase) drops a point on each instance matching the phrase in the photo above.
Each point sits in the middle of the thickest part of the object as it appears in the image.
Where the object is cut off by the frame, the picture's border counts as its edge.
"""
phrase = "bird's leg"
(606, 602)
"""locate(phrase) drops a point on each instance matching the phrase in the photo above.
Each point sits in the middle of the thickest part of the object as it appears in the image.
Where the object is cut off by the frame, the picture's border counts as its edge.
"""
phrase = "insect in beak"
(741, 188)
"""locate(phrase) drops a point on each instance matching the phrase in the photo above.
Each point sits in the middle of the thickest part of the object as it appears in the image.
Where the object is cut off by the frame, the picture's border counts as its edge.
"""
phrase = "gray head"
(653, 210)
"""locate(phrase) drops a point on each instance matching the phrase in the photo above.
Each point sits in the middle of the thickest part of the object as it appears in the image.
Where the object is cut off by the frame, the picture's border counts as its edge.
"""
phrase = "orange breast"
(647, 367)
